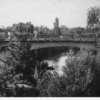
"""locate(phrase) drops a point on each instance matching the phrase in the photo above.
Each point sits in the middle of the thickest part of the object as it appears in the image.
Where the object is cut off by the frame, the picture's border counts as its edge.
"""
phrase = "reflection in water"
(58, 62)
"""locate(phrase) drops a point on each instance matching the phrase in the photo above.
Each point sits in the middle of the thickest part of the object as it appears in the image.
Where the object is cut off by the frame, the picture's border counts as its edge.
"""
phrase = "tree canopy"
(93, 18)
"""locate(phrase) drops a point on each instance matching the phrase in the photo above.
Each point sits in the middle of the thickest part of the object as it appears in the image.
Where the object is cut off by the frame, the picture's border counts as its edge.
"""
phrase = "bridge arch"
(40, 45)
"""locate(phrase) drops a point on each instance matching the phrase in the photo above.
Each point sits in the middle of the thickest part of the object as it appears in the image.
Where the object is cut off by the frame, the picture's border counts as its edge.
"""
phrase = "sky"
(71, 13)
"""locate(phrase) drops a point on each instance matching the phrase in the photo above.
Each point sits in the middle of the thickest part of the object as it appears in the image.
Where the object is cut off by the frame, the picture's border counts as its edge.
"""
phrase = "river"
(58, 61)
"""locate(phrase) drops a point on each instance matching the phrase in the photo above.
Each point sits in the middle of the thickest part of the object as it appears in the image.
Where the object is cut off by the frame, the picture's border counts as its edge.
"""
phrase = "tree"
(30, 27)
(3, 36)
(20, 31)
(56, 29)
(23, 27)
(22, 69)
(77, 30)
(42, 29)
(18, 77)
(80, 78)
(56, 23)
(93, 19)
(64, 30)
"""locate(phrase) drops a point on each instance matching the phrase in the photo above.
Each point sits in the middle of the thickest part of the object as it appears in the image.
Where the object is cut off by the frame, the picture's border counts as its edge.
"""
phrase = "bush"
(80, 78)
(18, 77)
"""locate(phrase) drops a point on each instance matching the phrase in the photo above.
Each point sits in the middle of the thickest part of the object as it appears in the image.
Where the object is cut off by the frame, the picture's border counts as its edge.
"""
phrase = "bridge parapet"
(61, 39)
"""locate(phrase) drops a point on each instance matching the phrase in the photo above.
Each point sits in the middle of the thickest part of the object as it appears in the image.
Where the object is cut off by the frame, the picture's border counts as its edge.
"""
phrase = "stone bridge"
(86, 45)
(47, 43)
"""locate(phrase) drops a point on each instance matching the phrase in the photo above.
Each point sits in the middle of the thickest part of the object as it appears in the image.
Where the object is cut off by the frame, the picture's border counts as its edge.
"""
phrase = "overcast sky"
(72, 13)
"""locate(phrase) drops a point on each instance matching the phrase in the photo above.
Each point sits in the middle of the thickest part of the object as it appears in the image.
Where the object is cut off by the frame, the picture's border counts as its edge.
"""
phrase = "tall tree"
(93, 19)
(56, 29)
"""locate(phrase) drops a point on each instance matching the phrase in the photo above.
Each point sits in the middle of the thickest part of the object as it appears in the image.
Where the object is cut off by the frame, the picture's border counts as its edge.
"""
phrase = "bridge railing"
(69, 37)
(65, 39)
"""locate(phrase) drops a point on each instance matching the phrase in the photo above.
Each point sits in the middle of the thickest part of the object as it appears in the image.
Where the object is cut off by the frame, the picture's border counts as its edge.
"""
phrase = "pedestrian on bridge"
(35, 33)
(9, 35)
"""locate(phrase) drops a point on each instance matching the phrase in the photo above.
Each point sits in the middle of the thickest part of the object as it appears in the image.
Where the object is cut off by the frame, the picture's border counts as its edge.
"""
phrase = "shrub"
(80, 78)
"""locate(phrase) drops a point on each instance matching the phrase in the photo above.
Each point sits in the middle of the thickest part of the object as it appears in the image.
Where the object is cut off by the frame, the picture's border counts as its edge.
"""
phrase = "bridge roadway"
(47, 43)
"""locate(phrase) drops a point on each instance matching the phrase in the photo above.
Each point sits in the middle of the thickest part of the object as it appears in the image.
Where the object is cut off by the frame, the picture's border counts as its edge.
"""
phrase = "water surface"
(58, 61)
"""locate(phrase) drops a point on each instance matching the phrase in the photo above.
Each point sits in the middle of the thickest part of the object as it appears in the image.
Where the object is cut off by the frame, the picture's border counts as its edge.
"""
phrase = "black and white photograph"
(49, 48)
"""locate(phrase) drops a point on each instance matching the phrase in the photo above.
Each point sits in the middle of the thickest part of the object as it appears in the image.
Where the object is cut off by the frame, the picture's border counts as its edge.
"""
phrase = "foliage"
(18, 78)
(77, 30)
(79, 79)
(23, 27)
(93, 18)
(3, 36)
(56, 29)
(22, 69)
(64, 30)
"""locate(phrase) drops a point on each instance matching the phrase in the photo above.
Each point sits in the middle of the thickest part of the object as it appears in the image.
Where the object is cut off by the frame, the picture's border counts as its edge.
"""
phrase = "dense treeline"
(93, 27)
